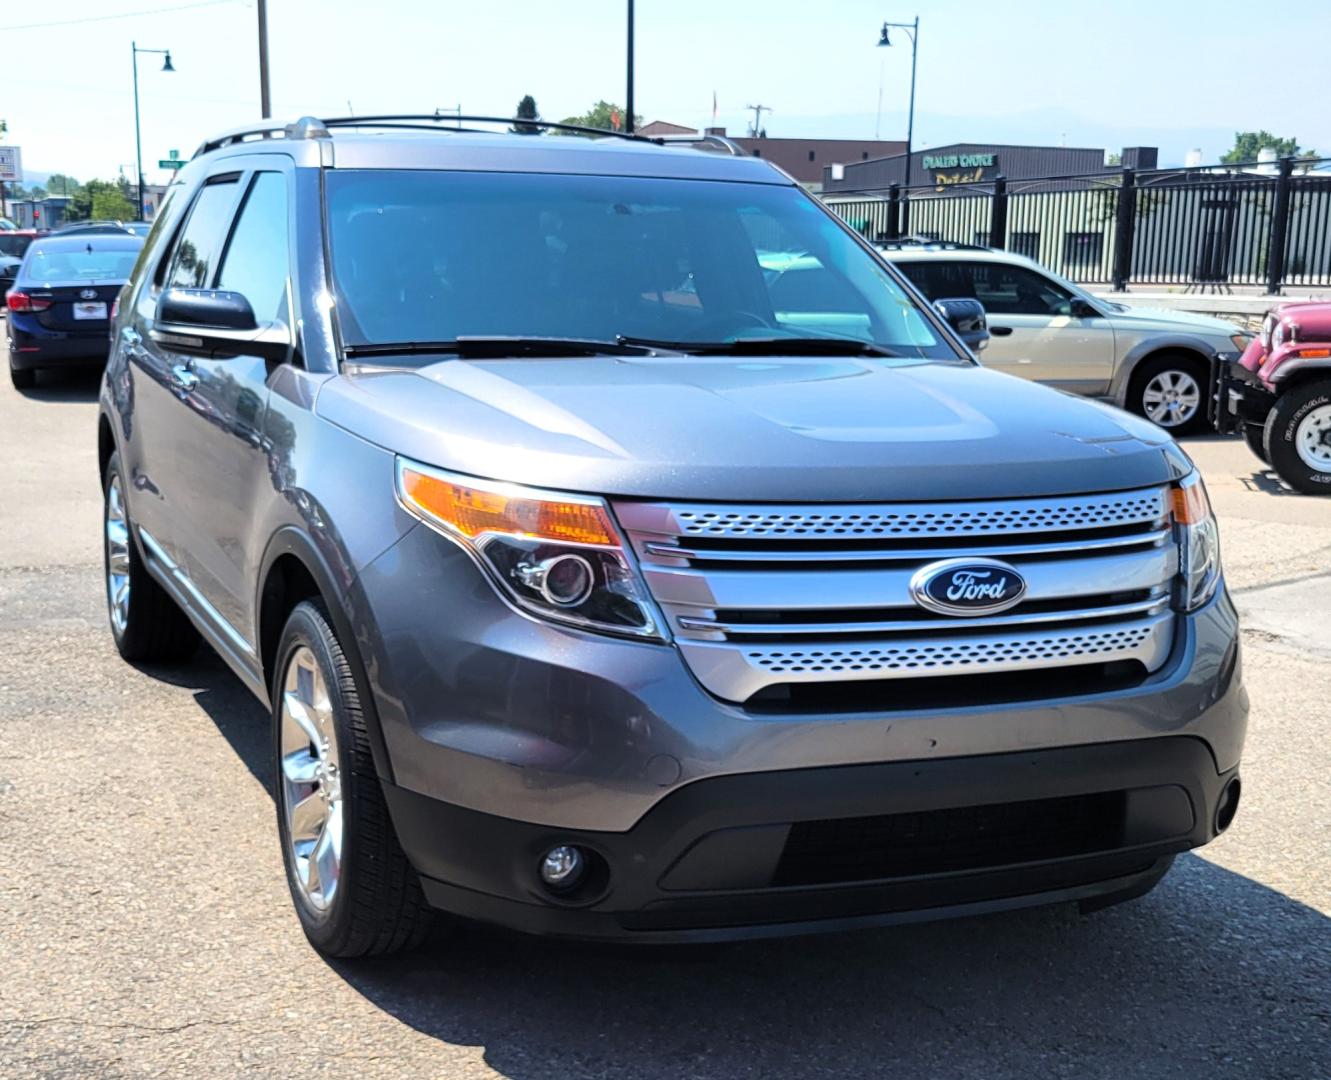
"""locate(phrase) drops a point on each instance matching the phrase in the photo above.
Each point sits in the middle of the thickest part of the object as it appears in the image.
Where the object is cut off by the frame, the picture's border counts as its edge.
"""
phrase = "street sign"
(170, 163)
(11, 164)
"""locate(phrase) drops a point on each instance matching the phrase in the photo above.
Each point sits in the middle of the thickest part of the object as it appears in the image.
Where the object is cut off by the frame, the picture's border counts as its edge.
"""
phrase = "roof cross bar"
(389, 119)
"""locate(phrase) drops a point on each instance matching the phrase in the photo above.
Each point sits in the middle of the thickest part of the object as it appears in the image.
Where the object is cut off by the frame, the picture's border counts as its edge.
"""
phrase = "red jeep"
(1278, 394)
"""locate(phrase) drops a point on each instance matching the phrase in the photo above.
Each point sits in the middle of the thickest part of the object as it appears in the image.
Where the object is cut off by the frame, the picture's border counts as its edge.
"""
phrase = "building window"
(1083, 249)
(757, 152)
(864, 155)
(1025, 243)
(811, 155)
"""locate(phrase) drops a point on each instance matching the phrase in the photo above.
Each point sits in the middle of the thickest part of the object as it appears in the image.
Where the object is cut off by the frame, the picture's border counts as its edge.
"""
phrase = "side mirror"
(215, 323)
(965, 316)
(1081, 309)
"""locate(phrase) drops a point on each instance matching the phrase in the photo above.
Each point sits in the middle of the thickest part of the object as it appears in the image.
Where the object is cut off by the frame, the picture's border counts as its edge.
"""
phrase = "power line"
(122, 15)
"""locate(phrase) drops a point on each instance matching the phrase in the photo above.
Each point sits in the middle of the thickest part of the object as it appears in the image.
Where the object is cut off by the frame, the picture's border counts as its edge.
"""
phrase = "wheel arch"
(1152, 349)
(293, 570)
(106, 445)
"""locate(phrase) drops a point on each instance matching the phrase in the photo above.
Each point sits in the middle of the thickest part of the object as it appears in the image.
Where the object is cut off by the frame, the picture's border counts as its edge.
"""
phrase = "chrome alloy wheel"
(117, 556)
(1313, 439)
(311, 780)
(1171, 398)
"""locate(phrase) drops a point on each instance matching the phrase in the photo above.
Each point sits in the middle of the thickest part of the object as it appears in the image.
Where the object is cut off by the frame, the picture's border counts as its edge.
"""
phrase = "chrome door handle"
(183, 377)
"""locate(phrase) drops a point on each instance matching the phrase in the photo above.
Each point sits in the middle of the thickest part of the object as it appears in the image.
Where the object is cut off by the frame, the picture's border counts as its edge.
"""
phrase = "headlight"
(1268, 327)
(1198, 542)
(1277, 334)
(555, 555)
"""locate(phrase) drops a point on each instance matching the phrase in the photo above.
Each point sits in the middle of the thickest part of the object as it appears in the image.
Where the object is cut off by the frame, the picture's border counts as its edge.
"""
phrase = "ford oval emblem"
(967, 587)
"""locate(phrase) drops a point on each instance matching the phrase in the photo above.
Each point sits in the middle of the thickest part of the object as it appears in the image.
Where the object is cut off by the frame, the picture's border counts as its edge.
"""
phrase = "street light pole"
(138, 137)
(265, 99)
(628, 107)
(912, 30)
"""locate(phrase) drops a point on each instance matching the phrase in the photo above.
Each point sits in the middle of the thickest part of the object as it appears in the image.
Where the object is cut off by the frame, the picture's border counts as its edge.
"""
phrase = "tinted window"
(1003, 289)
(14, 245)
(83, 262)
(432, 256)
(196, 252)
(256, 259)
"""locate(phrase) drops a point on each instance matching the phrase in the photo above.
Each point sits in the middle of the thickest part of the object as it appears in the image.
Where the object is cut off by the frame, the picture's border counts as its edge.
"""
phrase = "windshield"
(51, 266)
(437, 256)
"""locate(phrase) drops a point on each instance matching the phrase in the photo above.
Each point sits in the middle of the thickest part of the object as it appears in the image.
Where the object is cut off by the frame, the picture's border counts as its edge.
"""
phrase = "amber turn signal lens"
(1190, 504)
(473, 512)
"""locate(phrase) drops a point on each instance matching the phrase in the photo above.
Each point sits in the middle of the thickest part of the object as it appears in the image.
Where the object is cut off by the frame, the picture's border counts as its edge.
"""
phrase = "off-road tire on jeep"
(1154, 366)
(153, 627)
(1255, 436)
(1282, 428)
(378, 906)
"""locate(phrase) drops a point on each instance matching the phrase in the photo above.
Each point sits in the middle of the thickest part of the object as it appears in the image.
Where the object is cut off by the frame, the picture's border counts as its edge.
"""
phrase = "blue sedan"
(60, 303)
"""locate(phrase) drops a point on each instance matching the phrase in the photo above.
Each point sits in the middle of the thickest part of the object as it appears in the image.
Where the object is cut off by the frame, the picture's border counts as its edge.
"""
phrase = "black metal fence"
(1265, 225)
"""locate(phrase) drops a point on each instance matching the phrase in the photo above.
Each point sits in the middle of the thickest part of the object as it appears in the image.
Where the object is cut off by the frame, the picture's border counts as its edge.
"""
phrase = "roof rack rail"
(929, 243)
(717, 144)
(310, 127)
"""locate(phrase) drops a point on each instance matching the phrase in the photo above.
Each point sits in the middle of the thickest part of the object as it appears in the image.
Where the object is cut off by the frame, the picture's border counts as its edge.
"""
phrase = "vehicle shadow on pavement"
(1178, 983)
(1266, 480)
(75, 386)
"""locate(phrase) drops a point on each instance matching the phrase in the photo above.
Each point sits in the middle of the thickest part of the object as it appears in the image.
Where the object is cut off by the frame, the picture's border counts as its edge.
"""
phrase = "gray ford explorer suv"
(605, 583)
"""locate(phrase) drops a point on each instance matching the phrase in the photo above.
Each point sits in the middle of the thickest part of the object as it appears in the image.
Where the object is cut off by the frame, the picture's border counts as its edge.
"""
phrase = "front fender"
(1296, 359)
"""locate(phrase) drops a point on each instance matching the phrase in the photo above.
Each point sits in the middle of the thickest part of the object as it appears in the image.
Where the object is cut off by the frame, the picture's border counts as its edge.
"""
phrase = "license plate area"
(89, 309)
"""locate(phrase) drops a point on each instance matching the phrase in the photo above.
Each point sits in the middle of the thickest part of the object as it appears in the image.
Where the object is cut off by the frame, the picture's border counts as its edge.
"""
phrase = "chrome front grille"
(764, 595)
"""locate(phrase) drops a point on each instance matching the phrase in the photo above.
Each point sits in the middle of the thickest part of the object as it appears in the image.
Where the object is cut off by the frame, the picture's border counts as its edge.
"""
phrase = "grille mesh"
(949, 654)
(1033, 516)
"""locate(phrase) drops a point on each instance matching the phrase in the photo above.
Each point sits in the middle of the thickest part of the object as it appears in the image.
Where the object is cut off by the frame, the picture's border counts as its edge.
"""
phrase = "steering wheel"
(731, 322)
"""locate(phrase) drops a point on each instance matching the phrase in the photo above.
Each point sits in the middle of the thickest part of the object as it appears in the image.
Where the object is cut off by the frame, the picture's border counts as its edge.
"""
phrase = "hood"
(775, 430)
(1188, 321)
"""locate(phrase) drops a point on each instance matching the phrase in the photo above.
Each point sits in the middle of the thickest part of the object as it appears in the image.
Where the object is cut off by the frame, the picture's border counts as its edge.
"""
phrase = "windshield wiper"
(773, 346)
(479, 347)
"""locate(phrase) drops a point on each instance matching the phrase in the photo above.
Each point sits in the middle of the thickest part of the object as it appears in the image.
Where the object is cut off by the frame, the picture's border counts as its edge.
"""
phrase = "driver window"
(257, 258)
(195, 257)
(1013, 290)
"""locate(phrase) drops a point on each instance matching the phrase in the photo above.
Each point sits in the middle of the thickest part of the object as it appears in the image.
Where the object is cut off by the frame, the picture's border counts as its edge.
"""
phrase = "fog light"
(565, 580)
(562, 867)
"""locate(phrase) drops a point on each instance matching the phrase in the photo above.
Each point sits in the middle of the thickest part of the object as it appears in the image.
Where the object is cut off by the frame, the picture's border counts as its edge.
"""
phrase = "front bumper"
(837, 848)
(505, 735)
(1238, 396)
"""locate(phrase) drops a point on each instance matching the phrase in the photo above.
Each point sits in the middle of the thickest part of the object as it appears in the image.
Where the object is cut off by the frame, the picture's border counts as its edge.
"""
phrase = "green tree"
(604, 114)
(1248, 144)
(526, 111)
(100, 199)
(60, 184)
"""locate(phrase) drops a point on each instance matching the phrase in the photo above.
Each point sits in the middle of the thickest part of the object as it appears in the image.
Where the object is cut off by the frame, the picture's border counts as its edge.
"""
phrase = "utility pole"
(265, 98)
(758, 111)
(628, 105)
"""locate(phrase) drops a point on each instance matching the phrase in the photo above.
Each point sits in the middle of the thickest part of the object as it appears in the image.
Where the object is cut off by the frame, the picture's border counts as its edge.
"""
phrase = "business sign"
(11, 165)
(172, 161)
(959, 161)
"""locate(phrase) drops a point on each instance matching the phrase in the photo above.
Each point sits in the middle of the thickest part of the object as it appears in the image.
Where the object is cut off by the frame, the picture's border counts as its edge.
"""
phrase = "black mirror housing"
(214, 323)
(966, 316)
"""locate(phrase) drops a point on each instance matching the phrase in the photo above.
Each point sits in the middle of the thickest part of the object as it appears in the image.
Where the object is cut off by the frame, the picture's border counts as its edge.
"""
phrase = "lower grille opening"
(947, 691)
(946, 841)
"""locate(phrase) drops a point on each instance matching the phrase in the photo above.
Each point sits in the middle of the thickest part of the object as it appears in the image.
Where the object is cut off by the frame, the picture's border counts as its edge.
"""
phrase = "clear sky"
(1173, 73)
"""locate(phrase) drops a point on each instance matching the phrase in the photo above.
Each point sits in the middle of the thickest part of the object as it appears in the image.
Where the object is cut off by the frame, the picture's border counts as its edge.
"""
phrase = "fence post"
(1125, 222)
(998, 214)
(1275, 247)
(894, 212)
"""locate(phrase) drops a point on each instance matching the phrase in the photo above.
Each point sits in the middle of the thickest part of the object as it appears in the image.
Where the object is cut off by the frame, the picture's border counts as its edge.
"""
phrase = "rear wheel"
(145, 622)
(1255, 436)
(1298, 437)
(1169, 390)
(354, 890)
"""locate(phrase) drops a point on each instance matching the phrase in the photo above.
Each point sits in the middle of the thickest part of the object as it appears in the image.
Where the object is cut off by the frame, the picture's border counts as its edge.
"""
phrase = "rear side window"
(257, 258)
(200, 243)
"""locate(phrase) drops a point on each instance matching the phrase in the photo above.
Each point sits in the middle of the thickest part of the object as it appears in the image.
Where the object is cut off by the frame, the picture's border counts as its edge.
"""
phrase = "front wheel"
(354, 890)
(1168, 390)
(1298, 437)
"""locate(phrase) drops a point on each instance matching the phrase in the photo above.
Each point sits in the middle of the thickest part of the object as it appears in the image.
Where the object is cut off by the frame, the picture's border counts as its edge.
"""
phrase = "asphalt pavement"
(145, 927)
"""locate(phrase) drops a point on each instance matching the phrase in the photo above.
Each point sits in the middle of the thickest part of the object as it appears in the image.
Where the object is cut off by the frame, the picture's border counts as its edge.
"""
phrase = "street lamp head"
(166, 66)
(884, 40)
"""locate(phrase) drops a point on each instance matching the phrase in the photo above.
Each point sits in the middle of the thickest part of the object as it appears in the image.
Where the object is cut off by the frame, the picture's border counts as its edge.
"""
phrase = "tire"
(147, 625)
(369, 901)
(22, 378)
(1255, 436)
(1298, 437)
(1171, 372)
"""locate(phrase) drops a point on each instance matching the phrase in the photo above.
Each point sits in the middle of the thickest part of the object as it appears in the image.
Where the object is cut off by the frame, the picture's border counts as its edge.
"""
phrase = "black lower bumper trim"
(824, 849)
